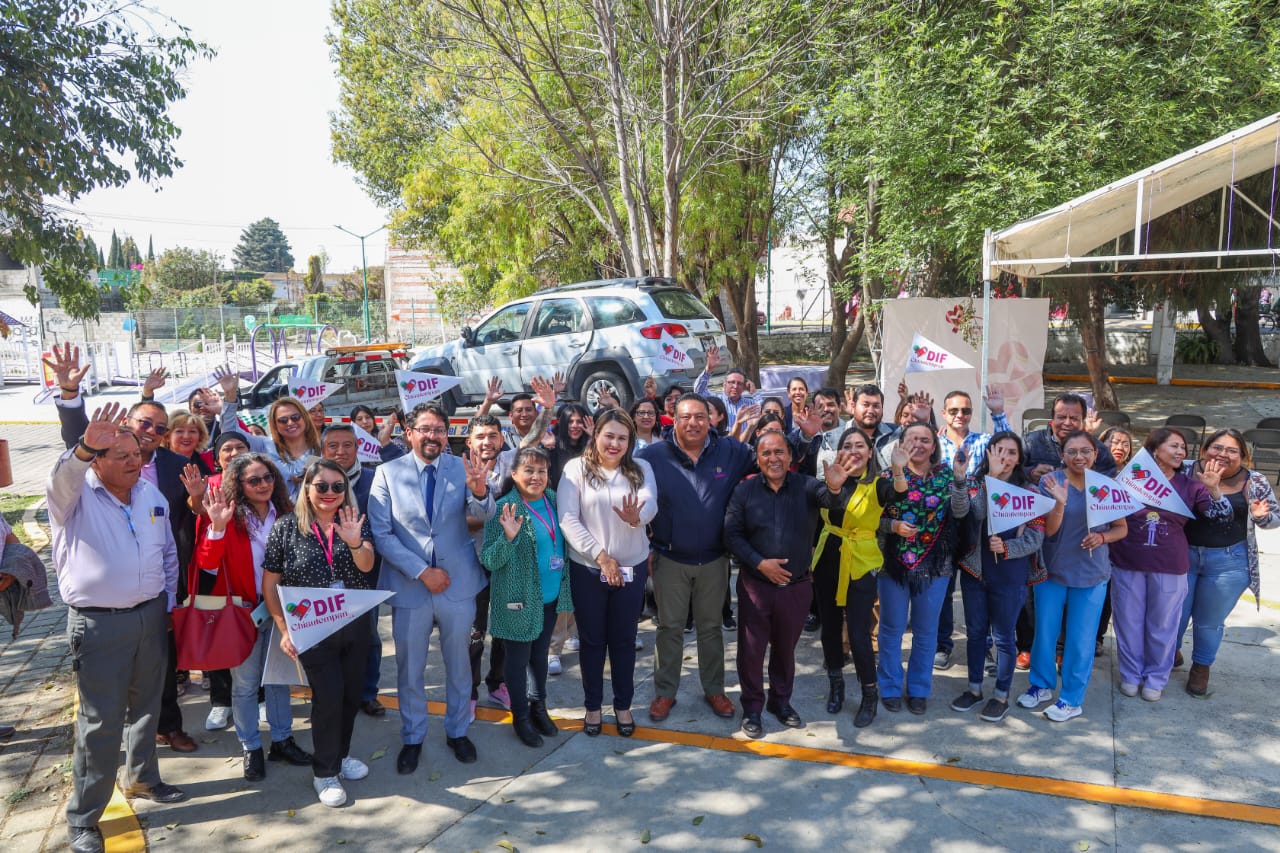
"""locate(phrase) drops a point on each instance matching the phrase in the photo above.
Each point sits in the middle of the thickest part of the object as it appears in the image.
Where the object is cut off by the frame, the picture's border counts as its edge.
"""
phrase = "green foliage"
(181, 276)
(263, 248)
(250, 292)
(85, 88)
(315, 275)
(1195, 348)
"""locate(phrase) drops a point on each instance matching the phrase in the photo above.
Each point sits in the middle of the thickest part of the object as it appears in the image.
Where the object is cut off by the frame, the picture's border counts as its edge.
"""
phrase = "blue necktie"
(429, 493)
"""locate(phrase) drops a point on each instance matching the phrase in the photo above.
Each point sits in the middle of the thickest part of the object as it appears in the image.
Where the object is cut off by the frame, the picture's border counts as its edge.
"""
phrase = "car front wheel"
(605, 379)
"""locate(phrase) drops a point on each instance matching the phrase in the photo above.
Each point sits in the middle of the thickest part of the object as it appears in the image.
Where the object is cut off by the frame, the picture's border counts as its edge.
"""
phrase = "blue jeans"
(947, 615)
(1083, 606)
(895, 602)
(993, 609)
(245, 680)
(1218, 577)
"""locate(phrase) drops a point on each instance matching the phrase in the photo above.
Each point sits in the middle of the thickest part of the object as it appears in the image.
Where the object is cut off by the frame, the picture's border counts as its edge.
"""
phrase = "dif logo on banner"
(926, 357)
(418, 388)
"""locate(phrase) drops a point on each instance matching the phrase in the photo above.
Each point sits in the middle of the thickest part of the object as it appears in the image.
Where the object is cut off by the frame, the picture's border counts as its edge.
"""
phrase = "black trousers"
(497, 649)
(526, 665)
(335, 669)
(859, 603)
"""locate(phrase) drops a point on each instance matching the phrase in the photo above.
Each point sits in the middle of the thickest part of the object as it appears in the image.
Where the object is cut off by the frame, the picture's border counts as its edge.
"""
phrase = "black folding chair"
(1111, 417)
(1264, 441)
(1269, 423)
(1036, 415)
(1194, 422)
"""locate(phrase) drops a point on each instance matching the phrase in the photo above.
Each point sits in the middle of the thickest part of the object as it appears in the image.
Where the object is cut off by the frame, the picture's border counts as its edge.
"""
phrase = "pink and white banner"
(1009, 506)
(1145, 479)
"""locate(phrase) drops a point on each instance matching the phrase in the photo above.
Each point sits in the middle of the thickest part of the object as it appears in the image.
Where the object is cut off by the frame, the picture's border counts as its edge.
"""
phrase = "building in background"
(411, 279)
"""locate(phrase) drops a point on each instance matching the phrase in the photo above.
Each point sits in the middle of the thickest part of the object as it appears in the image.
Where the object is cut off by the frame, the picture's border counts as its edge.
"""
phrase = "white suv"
(600, 334)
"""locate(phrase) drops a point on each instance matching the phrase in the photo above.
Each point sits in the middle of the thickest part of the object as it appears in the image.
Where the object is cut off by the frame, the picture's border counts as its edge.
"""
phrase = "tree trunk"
(1248, 347)
(838, 369)
(1217, 329)
(1093, 334)
(742, 303)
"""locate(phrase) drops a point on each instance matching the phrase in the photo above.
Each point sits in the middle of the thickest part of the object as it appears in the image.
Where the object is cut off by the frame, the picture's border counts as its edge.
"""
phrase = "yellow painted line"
(1069, 789)
(1185, 383)
(121, 832)
(1248, 596)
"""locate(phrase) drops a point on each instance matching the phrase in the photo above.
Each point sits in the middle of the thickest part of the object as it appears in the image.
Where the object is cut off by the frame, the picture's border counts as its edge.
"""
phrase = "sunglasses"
(324, 487)
(150, 425)
(288, 419)
(964, 411)
(254, 482)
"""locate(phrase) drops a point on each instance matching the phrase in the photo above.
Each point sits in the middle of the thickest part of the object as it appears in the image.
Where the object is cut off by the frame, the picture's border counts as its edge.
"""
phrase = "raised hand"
(348, 523)
(478, 475)
(924, 398)
(1211, 476)
(995, 399)
(1092, 423)
(651, 387)
(154, 381)
(558, 383)
(544, 392)
(210, 400)
(809, 421)
(510, 521)
(589, 425)
(193, 480)
(104, 426)
(751, 411)
(903, 393)
(228, 381)
(837, 473)
(629, 512)
(898, 457)
(218, 508)
(1054, 489)
(751, 387)
(713, 358)
(493, 391)
(66, 367)
(960, 464)
(605, 398)
(848, 400)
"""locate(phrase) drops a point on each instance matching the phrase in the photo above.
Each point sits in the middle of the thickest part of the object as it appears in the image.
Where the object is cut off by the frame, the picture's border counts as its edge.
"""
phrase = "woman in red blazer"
(231, 538)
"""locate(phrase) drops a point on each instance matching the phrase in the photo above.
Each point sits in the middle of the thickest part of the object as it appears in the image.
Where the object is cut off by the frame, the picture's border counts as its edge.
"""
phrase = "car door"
(495, 350)
(557, 337)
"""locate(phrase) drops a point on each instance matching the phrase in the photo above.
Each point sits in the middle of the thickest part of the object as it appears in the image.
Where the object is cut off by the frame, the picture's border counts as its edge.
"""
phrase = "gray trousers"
(120, 660)
(677, 586)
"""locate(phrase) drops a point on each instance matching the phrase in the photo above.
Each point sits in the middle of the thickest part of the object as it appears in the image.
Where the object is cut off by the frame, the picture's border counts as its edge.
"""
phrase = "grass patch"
(12, 507)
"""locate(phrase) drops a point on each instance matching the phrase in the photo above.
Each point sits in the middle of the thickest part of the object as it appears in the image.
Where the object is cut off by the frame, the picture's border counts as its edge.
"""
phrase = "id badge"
(260, 614)
(337, 585)
(557, 564)
(628, 573)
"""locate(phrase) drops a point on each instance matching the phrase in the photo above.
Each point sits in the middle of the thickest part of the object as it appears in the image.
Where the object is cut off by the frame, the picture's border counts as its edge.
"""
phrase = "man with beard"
(418, 508)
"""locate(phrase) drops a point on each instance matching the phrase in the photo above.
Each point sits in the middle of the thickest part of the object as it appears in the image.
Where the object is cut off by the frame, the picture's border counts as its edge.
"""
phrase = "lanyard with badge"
(327, 547)
(557, 562)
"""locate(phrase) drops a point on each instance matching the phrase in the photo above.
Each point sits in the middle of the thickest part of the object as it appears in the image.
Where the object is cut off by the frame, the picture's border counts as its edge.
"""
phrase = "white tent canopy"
(1062, 236)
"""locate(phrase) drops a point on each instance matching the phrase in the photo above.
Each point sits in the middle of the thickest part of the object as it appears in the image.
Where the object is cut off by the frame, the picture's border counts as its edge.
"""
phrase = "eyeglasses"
(197, 405)
(150, 425)
(284, 420)
(254, 482)
(641, 413)
(324, 487)
(1077, 452)
(430, 430)
(1223, 450)
(964, 411)
(687, 418)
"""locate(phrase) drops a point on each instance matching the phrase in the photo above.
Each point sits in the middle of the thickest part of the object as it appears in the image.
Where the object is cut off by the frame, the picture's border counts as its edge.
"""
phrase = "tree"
(178, 272)
(263, 248)
(85, 99)
(352, 284)
(315, 274)
(253, 292)
(115, 259)
(129, 255)
(151, 249)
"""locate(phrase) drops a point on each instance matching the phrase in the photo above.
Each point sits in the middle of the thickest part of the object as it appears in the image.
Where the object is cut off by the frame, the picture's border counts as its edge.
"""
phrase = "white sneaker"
(571, 644)
(471, 715)
(262, 712)
(219, 718)
(1151, 694)
(1128, 689)
(353, 769)
(331, 792)
(553, 665)
(1035, 697)
(1060, 711)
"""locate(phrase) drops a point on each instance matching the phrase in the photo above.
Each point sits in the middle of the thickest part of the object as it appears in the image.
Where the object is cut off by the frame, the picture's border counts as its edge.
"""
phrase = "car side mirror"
(468, 336)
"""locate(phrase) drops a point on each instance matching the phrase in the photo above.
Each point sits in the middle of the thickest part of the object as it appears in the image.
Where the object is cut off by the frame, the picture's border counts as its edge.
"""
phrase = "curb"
(36, 532)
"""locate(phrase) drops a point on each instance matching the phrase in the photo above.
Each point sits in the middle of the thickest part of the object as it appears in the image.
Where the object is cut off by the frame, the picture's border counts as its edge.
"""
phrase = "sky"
(255, 143)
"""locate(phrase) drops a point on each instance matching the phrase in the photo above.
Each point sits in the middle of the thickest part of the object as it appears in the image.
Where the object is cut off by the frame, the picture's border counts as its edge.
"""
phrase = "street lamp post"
(364, 274)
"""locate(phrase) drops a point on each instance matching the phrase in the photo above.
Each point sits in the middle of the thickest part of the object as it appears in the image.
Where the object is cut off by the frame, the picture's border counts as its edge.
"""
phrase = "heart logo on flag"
(1000, 500)
(1099, 492)
(1139, 473)
(920, 350)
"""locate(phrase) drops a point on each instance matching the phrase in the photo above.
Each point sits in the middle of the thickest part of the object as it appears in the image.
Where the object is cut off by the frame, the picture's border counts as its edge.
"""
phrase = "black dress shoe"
(788, 717)
(541, 719)
(867, 708)
(751, 725)
(407, 761)
(892, 703)
(463, 749)
(730, 623)
(525, 731)
(85, 839)
(592, 729)
(160, 792)
(917, 705)
(626, 729)
(811, 623)
(373, 708)
(288, 750)
(255, 765)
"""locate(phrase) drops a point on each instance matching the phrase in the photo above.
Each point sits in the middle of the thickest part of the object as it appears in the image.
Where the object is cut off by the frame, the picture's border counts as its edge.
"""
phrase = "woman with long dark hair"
(574, 426)
(997, 569)
(644, 414)
(606, 498)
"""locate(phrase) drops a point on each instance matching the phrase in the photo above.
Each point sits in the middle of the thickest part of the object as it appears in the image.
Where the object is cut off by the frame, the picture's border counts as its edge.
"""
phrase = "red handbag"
(212, 631)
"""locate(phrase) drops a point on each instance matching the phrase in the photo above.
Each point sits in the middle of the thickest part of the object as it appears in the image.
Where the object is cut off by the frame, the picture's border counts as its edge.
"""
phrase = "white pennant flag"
(1107, 500)
(672, 355)
(313, 613)
(926, 357)
(418, 388)
(311, 393)
(1145, 479)
(367, 447)
(279, 668)
(1009, 505)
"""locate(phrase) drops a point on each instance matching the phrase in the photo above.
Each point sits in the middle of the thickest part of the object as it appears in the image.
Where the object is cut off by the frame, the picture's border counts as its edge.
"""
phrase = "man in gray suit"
(418, 508)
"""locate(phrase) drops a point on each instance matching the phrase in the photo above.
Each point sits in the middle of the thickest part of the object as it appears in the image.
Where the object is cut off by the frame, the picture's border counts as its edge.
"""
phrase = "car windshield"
(680, 305)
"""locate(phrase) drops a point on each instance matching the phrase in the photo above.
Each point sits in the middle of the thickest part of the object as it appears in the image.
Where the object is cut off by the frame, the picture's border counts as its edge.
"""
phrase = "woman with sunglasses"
(231, 542)
(1224, 552)
(524, 548)
(325, 542)
(294, 441)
